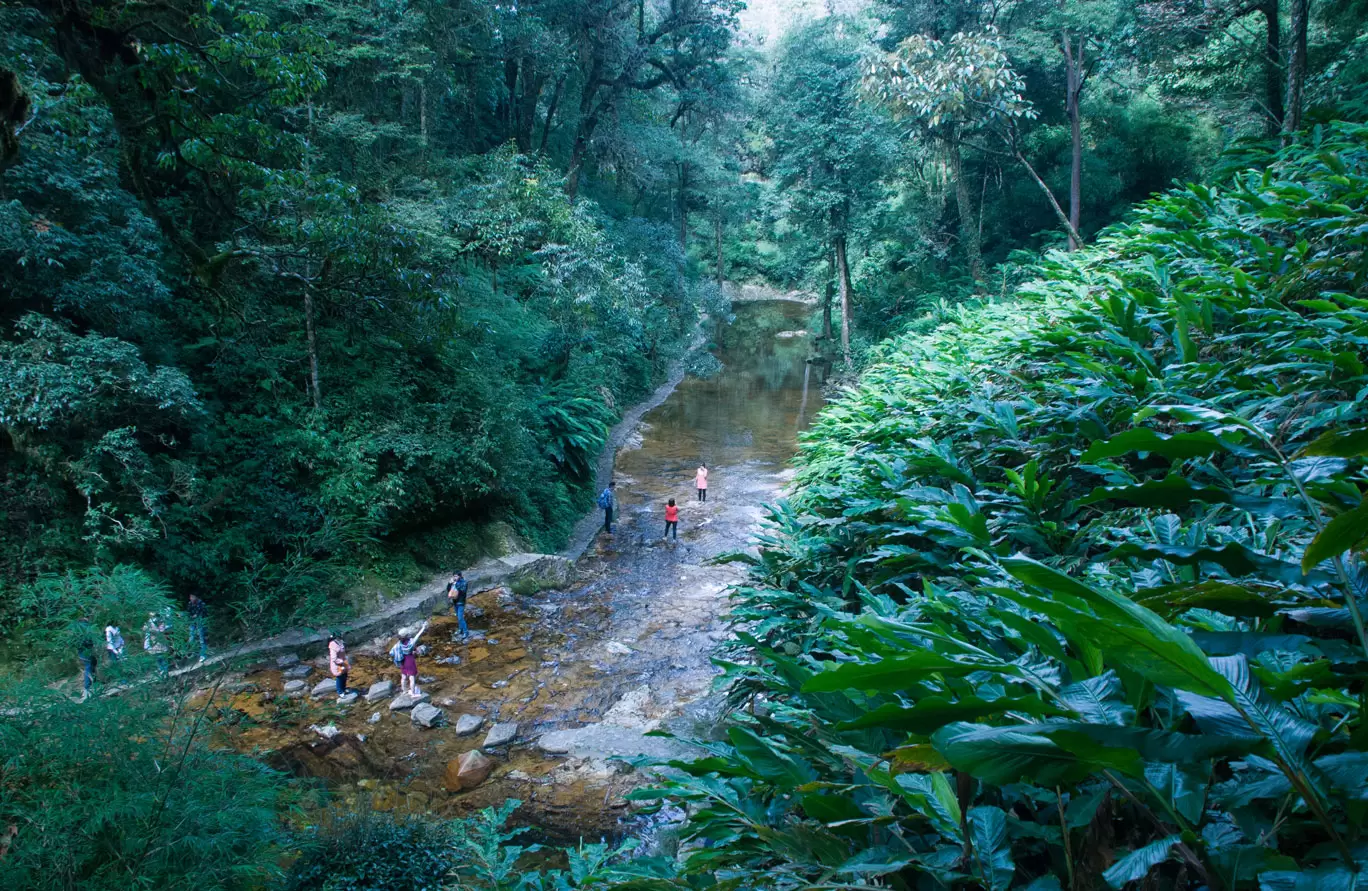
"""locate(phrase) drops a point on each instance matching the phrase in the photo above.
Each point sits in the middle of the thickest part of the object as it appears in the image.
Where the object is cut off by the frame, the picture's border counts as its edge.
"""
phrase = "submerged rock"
(426, 715)
(467, 771)
(500, 735)
(379, 690)
(404, 700)
(468, 724)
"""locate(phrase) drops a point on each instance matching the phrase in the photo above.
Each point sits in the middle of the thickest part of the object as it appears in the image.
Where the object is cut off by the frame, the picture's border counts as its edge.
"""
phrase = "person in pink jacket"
(701, 480)
(340, 665)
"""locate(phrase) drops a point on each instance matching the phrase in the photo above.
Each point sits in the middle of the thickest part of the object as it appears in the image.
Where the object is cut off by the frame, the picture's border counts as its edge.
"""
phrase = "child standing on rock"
(340, 665)
(701, 481)
(405, 655)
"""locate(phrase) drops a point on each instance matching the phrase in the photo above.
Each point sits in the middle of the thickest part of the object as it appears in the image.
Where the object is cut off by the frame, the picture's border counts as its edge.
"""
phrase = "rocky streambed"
(551, 698)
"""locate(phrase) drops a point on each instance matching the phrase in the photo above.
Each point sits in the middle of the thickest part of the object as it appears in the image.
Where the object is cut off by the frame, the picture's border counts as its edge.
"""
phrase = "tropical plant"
(1070, 592)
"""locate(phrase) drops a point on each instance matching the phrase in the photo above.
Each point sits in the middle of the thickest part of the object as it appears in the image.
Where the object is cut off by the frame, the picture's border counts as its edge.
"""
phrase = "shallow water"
(594, 667)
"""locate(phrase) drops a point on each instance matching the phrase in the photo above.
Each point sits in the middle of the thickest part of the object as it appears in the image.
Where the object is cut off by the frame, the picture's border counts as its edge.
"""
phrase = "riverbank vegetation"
(1069, 593)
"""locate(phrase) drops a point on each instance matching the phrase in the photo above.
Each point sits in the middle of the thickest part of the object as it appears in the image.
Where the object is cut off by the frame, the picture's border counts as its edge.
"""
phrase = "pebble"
(450, 660)
(427, 679)
(374, 718)
(498, 685)
(350, 697)
(617, 648)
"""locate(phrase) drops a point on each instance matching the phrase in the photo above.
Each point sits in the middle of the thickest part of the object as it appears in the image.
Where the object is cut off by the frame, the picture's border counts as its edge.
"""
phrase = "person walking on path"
(405, 655)
(85, 654)
(340, 664)
(154, 641)
(456, 596)
(672, 520)
(114, 642)
(608, 501)
(701, 480)
(199, 615)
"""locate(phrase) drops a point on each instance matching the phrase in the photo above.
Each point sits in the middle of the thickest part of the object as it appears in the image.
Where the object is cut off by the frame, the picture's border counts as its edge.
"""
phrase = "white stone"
(374, 718)
(501, 734)
(293, 688)
(327, 731)
(426, 715)
(468, 724)
(379, 690)
(348, 698)
(324, 687)
(404, 700)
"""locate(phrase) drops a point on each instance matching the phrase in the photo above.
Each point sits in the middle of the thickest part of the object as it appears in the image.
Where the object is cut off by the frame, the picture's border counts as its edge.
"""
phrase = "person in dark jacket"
(608, 501)
(199, 615)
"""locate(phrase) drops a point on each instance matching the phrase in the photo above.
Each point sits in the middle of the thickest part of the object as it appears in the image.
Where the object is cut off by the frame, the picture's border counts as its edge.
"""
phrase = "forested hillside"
(302, 301)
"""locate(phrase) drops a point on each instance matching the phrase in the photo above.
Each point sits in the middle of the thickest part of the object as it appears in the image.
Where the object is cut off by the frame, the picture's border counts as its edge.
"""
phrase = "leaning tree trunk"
(968, 228)
(843, 268)
(1296, 69)
(1073, 59)
(1272, 65)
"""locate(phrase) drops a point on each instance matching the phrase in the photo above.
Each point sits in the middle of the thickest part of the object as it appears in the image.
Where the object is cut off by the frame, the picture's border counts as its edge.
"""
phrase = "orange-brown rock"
(467, 771)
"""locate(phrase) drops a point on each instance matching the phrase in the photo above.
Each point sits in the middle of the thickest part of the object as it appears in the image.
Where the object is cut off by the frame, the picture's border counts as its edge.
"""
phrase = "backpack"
(397, 654)
(604, 499)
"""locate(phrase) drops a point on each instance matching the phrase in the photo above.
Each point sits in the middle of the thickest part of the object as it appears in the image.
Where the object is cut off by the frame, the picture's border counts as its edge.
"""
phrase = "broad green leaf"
(895, 672)
(1234, 558)
(1242, 601)
(933, 712)
(778, 767)
(1137, 864)
(1178, 446)
(1127, 632)
(1182, 786)
(1351, 443)
(1002, 755)
(1248, 714)
(1348, 531)
(992, 853)
(1175, 492)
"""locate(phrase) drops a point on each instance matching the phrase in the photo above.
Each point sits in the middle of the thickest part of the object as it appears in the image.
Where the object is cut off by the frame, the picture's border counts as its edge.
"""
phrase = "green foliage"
(124, 790)
(1070, 592)
(374, 852)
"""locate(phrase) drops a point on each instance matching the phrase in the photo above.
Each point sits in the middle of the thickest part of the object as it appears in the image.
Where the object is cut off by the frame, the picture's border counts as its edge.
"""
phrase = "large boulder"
(467, 771)
(404, 700)
(468, 724)
(426, 715)
(531, 573)
(379, 690)
(501, 540)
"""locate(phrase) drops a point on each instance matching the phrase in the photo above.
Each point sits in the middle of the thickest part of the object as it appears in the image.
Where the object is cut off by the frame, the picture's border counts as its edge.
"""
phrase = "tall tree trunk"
(684, 206)
(422, 115)
(314, 390)
(551, 113)
(1296, 69)
(967, 225)
(830, 293)
(1272, 65)
(1073, 59)
(843, 268)
(721, 258)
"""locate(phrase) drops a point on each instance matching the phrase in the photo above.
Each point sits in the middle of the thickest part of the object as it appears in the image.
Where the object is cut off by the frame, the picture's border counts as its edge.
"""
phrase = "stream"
(587, 671)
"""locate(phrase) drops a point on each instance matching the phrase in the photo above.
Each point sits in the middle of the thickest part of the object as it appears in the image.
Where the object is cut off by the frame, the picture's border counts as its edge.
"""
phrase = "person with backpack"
(199, 615)
(701, 480)
(405, 655)
(672, 519)
(608, 501)
(85, 655)
(154, 642)
(114, 642)
(340, 665)
(456, 596)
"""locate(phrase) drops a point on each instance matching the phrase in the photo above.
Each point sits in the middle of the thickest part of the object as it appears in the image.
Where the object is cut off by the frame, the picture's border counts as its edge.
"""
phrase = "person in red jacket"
(672, 520)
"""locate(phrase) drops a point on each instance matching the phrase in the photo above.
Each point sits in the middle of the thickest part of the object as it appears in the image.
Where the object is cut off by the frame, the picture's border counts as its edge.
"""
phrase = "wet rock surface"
(580, 673)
